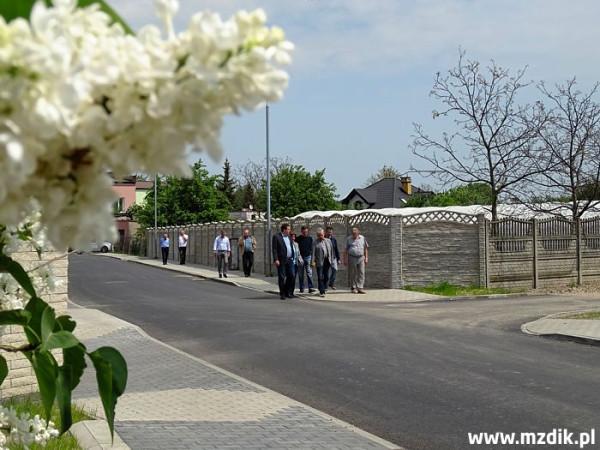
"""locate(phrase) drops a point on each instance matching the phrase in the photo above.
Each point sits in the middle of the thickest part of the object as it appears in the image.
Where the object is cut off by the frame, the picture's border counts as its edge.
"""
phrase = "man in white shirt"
(182, 241)
(222, 250)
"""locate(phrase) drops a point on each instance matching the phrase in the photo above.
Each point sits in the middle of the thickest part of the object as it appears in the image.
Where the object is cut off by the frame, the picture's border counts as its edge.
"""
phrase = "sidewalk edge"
(95, 435)
(525, 328)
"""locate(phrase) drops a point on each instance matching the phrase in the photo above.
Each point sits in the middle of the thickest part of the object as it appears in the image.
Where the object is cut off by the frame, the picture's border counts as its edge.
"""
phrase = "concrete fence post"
(579, 252)
(395, 229)
(535, 265)
(484, 260)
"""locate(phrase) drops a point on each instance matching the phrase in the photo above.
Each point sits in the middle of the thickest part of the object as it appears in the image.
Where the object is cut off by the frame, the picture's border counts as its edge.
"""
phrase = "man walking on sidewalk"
(305, 242)
(247, 246)
(164, 248)
(335, 259)
(283, 257)
(322, 255)
(183, 240)
(356, 257)
(222, 250)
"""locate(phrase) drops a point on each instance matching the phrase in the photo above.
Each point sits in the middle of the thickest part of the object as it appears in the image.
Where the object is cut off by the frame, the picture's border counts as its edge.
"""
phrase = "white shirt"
(183, 240)
(288, 245)
(222, 244)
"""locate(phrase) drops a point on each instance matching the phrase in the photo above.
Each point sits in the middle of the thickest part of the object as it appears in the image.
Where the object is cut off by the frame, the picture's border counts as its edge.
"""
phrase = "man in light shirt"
(182, 241)
(222, 250)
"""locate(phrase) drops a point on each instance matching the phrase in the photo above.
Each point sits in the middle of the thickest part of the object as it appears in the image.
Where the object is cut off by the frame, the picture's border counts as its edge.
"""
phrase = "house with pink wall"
(129, 191)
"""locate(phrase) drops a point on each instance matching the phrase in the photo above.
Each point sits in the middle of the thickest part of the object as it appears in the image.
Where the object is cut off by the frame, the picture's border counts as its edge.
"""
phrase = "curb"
(197, 275)
(314, 297)
(95, 435)
(328, 417)
(561, 336)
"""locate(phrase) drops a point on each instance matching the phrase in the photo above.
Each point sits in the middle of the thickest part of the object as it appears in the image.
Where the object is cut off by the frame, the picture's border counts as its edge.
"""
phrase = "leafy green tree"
(184, 200)
(294, 190)
(226, 183)
(244, 196)
(463, 195)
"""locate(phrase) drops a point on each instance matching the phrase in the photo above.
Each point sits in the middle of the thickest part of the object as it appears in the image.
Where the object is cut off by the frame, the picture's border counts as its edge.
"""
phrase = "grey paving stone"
(279, 431)
(157, 367)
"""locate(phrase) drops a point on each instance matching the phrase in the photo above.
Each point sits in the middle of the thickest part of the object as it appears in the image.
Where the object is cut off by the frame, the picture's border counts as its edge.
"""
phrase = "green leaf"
(14, 317)
(3, 369)
(104, 6)
(111, 375)
(48, 322)
(63, 397)
(36, 307)
(60, 339)
(11, 9)
(45, 368)
(75, 358)
(7, 264)
(65, 323)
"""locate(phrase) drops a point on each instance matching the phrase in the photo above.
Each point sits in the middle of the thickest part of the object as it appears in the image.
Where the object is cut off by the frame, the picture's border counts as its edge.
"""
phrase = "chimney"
(406, 185)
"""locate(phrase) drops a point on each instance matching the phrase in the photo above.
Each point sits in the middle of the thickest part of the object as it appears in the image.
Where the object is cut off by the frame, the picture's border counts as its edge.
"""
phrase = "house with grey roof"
(392, 192)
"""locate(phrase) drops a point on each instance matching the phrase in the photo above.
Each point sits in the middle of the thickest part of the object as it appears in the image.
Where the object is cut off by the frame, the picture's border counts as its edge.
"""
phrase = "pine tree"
(226, 184)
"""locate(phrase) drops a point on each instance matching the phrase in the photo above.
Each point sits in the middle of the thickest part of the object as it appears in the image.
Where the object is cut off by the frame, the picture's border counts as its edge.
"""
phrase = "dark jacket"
(280, 249)
(306, 245)
(336, 250)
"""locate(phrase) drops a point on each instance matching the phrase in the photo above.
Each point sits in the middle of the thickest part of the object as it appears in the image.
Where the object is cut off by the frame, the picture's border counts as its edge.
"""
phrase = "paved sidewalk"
(176, 401)
(556, 324)
(268, 284)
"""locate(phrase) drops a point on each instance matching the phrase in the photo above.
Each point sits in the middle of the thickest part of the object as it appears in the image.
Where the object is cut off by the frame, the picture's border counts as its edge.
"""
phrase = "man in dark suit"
(283, 257)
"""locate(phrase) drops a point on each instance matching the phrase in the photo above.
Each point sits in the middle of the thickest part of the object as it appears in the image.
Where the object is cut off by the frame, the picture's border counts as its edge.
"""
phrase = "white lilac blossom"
(23, 429)
(80, 99)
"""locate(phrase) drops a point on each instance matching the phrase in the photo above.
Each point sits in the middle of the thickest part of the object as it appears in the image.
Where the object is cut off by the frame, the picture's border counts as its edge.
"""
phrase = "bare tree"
(254, 173)
(569, 156)
(495, 134)
(384, 172)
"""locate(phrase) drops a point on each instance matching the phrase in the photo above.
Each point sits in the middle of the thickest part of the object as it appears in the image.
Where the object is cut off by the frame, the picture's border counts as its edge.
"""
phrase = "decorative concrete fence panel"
(442, 247)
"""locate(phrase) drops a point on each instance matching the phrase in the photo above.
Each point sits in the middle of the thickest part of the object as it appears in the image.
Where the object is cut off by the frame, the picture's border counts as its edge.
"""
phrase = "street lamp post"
(156, 249)
(269, 232)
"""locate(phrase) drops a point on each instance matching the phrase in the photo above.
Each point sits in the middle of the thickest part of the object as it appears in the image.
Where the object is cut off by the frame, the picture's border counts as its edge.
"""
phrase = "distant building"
(389, 192)
(246, 214)
(130, 191)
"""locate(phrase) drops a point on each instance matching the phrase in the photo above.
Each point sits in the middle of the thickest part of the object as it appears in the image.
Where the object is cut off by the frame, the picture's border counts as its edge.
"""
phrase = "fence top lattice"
(410, 216)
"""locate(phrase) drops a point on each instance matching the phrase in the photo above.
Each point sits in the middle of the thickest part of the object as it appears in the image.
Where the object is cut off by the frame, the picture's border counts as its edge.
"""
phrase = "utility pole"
(269, 232)
(156, 249)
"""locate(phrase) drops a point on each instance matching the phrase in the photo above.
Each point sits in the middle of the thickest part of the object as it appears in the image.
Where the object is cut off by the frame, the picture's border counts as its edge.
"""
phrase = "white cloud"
(392, 36)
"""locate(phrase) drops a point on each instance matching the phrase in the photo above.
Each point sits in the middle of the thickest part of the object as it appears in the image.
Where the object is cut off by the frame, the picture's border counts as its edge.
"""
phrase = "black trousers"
(323, 273)
(286, 278)
(248, 262)
(182, 251)
(165, 254)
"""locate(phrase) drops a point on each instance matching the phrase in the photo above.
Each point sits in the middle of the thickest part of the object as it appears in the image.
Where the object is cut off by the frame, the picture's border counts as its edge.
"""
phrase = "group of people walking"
(293, 256)
(298, 255)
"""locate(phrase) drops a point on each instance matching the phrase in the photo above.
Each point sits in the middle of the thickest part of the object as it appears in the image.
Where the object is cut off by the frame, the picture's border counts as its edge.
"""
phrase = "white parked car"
(104, 247)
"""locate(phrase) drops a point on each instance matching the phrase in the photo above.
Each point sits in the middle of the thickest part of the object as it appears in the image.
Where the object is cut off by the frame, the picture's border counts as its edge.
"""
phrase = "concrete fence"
(429, 247)
(400, 247)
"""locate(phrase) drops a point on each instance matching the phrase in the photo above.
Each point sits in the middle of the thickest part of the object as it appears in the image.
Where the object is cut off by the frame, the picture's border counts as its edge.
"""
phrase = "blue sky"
(363, 70)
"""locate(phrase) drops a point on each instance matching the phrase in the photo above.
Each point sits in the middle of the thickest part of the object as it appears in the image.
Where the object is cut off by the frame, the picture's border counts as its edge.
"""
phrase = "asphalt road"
(420, 375)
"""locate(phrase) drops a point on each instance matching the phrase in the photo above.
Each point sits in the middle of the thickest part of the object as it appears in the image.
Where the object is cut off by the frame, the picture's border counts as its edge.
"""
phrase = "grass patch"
(451, 290)
(593, 315)
(31, 405)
